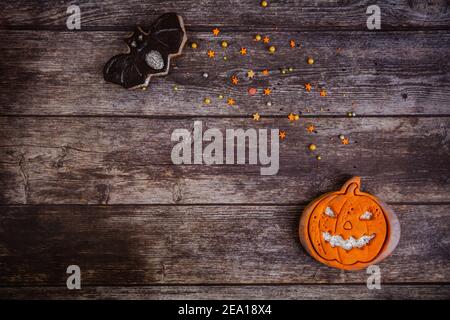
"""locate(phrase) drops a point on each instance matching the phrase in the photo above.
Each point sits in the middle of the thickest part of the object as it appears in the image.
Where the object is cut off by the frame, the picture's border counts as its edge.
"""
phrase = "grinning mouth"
(350, 243)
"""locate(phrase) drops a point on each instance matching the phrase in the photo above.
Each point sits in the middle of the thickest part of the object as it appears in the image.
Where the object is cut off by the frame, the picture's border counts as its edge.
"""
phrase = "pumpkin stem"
(352, 185)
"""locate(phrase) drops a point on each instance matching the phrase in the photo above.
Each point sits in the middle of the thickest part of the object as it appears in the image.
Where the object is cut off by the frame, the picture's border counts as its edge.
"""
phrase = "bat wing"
(122, 70)
(169, 32)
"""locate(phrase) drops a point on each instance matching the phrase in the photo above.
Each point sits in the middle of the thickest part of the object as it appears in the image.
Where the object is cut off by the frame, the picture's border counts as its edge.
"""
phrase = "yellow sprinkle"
(272, 49)
(194, 45)
(264, 4)
(312, 147)
(207, 101)
(258, 37)
(224, 44)
(310, 60)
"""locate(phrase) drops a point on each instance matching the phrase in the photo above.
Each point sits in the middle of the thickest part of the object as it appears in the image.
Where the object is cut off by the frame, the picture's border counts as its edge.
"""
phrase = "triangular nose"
(348, 225)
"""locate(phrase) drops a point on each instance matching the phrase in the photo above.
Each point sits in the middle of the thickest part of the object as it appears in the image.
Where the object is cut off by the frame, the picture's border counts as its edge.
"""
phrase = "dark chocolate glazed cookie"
(149, 53)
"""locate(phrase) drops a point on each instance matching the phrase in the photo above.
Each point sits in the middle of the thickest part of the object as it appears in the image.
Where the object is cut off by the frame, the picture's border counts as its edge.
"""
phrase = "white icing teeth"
(350, 243)
(366, 216)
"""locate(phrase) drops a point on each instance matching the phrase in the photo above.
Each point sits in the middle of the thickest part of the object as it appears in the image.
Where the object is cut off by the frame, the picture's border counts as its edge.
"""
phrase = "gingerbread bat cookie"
(149, 53)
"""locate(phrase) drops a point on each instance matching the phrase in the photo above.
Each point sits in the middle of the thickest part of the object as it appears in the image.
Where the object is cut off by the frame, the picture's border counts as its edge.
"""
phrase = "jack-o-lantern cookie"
(349, 229)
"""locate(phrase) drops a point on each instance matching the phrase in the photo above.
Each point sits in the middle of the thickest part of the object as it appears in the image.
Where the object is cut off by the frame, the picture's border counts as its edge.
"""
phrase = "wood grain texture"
(60, 160)
(247, 14)
(246, 292)
(142, 245)
(388, 73)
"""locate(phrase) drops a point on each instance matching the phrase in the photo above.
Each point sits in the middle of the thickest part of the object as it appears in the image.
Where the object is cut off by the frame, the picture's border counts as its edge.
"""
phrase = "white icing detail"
(329, 212)
(154, 60)
(366, 216)
(350, 243)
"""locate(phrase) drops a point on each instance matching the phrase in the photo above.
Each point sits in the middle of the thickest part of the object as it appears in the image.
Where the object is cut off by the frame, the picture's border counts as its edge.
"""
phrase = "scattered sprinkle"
(323, 93)
(265, 72)
(292, 43)
(272, 49)
(256, 116)
(308, 86)
(341, 136)
(293, 117)
(216, 31)
(312, 147)
(258, 37)
(243, 51)
(194, 45)
(231, 102)
(207, 101)
(224, 44)
(264, 3)
(282, 135)
(266, 39)
(211, 53)
(252, 91)
(250, 74)
(220, 96)
(205, 75)
(345, 141)
(175, 88)
(310, 128)
(267, 91)
(310, 60)
(269, 104)
(319, 157)
(234, 79)
(290, 69)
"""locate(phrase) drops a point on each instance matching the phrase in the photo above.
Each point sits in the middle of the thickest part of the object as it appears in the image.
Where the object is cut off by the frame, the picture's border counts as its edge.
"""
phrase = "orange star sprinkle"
(282, 135)
(234, 80)
(243, 51)
(345, 141)
(291, 116)
(216, 31)
(256, 116)
(266, 39)
(265, 72)
(267, 91)
(292, 43)
(308, 86)
(323, 93)
(211, 53)
(231, 102)
(310, 128)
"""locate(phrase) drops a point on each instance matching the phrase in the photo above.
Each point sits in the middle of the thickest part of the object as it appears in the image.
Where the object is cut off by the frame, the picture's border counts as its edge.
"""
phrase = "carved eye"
(329, 212)
(366, 216)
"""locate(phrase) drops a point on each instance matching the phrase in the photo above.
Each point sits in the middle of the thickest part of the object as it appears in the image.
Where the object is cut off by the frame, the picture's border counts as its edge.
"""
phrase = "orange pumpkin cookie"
(349, 229)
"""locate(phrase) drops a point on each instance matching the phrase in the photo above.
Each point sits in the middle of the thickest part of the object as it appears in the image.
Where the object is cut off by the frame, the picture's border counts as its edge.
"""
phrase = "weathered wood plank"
(248, 14)
(60, 73)
(130, 245)
(273, 292)
(69, 160)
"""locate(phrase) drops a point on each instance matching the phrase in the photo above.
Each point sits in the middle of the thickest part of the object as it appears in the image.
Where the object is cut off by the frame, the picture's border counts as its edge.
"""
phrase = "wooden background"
(85, 169)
